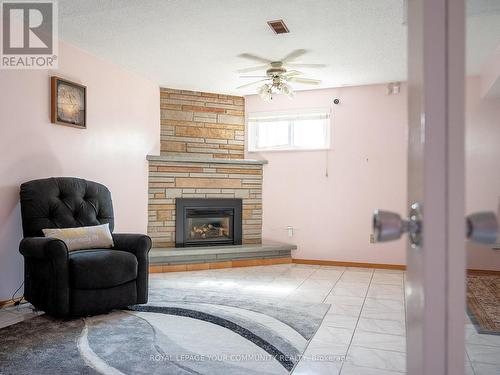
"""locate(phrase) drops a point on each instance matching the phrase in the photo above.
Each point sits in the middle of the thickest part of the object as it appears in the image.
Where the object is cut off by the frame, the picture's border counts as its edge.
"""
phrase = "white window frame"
(252, 130)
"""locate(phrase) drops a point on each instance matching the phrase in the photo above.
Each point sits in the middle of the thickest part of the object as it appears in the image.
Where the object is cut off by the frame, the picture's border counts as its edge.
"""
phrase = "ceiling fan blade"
(254, 77)
(293, 55)
(308, 81)
(299, 65)
(252, 69)
(250, 84)
(250, 56)
(292, 73)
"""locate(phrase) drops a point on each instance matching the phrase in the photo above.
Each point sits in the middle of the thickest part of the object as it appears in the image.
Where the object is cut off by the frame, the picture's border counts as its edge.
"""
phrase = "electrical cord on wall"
(336, 101)
(326, 163)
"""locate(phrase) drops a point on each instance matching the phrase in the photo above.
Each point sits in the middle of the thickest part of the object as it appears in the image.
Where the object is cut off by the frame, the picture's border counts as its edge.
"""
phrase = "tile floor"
(363, 332)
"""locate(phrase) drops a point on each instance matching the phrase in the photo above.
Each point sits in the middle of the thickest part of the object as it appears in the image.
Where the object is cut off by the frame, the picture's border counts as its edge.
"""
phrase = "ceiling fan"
(277, 75)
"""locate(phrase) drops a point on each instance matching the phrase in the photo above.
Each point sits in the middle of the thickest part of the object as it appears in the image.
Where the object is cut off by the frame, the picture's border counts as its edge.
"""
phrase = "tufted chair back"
(64, 202)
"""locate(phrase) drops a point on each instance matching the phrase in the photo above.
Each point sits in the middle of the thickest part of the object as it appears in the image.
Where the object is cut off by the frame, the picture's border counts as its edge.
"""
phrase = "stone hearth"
(198, 258)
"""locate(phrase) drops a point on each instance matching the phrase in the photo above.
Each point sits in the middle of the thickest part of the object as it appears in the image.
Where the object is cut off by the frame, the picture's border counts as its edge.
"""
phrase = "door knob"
(482, 227)
(389, 226)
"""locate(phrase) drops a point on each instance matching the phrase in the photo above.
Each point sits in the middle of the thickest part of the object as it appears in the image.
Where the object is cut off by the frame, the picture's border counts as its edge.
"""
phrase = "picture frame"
(68, 103)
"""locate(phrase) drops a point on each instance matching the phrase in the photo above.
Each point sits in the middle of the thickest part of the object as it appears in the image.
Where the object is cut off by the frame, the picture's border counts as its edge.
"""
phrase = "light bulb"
(265, 92)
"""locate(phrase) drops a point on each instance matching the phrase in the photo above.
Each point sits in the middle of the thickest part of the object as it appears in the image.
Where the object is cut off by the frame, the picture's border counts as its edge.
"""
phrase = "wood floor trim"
(380, 266)
(269, 261)
(319, 262)
(10, 302)
(157, 268)
(483, 272)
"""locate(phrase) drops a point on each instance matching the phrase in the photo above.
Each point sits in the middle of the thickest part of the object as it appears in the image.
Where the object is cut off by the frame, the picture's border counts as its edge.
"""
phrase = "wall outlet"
(372, 238)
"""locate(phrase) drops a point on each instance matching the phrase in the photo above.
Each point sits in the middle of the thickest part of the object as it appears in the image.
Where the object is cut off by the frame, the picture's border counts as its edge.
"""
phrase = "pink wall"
(367, 170)
(482, 166)
(123, 127)
(366, 167)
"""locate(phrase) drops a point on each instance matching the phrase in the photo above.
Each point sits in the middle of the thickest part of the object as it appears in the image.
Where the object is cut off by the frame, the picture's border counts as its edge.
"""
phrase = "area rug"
(177, 332)
(483, 302)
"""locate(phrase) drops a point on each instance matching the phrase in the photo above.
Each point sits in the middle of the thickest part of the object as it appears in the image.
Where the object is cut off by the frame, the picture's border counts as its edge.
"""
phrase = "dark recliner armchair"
(80, 282)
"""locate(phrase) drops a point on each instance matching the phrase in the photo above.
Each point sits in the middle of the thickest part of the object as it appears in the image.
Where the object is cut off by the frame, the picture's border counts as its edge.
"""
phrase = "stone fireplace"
(205, 198)
(202, 158)
(174, 177)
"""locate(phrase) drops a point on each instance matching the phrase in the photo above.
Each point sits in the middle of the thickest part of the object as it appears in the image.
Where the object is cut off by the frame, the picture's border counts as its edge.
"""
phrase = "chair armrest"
(50, 293)
(44, 248)
(138, 244)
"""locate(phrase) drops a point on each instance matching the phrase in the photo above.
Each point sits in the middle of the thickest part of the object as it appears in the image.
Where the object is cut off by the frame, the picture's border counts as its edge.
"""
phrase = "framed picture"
(68, 103)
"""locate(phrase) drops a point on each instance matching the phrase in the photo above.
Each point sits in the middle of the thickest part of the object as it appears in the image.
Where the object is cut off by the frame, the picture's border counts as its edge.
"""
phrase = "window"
(306, 130)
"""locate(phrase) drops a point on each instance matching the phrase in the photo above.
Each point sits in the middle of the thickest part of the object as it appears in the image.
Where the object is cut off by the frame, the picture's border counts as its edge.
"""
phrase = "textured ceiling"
(194, 44)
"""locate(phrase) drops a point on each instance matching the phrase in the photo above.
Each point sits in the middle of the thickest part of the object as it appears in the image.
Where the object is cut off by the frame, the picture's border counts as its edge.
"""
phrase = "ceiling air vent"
(278, 26)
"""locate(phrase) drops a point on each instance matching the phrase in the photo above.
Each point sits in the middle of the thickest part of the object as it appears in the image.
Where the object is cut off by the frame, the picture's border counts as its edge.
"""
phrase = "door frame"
(436, 178)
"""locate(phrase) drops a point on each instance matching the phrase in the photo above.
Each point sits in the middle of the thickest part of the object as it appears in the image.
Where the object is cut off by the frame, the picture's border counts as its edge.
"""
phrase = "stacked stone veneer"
(201, 134)
(202, 179)
(202, 124)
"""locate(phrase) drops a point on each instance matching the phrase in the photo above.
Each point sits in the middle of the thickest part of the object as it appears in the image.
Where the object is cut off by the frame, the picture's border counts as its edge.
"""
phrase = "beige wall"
(123, 127)
(202, 124)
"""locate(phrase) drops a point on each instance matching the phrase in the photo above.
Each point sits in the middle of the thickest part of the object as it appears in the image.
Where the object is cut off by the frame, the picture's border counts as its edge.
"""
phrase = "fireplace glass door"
(209, 225)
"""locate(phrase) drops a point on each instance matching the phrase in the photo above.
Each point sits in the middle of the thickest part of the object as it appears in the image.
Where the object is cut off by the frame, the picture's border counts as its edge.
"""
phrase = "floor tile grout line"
(312, 337)
(385, 320)
(488, 345)
(307, 278)
(384, 350)
(356, 326)
(483, 363)
(470, 362)
(404, 305)
(486, 363)
(381, 333)
(371, 368)
(334, 284)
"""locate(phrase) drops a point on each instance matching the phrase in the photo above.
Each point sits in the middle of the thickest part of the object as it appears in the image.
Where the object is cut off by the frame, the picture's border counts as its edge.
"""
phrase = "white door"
(436, 225)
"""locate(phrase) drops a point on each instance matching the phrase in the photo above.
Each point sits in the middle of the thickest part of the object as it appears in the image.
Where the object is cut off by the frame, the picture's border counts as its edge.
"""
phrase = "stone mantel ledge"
(188, 159)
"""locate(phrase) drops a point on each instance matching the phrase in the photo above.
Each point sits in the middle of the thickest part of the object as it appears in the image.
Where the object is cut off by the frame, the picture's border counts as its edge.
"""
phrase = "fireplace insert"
(206, 222)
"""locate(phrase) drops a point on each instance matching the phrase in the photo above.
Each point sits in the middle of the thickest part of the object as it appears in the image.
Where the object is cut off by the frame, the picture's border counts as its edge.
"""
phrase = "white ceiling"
(194, 44)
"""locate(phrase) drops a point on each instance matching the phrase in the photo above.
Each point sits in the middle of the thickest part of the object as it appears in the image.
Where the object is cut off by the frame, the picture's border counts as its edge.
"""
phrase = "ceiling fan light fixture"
(266, 92)
(278, 77)
(287, 90)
